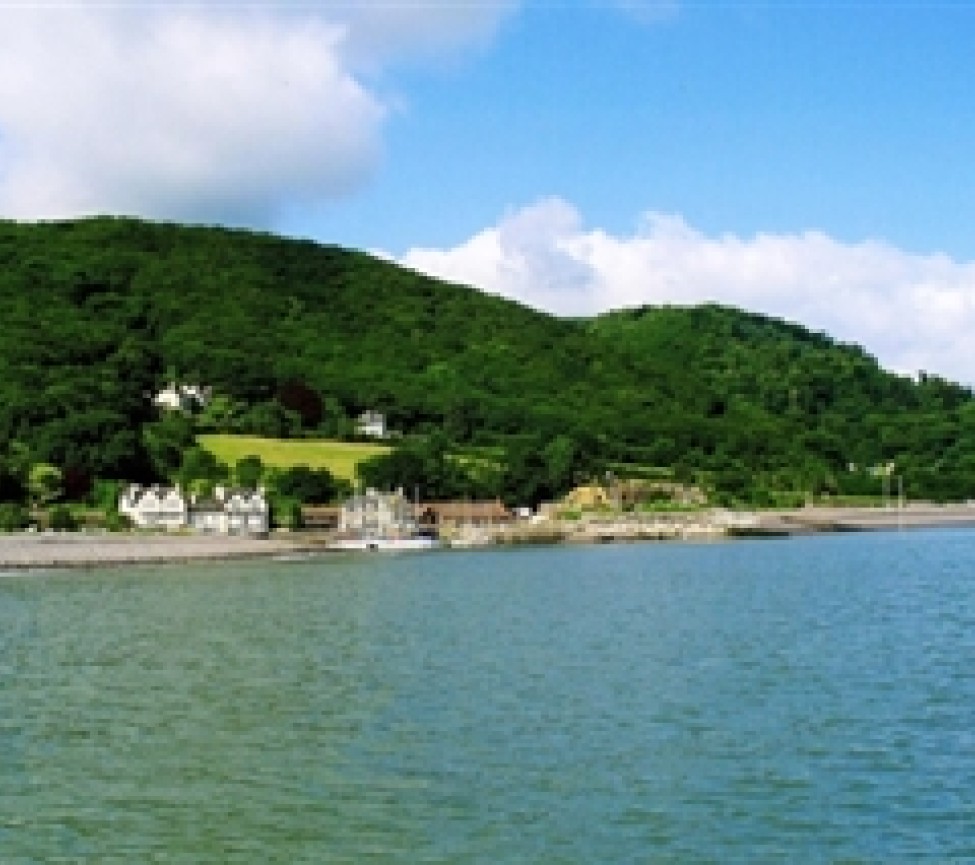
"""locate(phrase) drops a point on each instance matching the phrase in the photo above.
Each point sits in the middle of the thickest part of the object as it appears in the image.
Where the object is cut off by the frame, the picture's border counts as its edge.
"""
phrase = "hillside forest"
(485, 397)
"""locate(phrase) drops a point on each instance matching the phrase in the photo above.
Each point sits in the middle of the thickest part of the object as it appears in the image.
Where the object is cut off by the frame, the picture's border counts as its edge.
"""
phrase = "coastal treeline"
(484, 396)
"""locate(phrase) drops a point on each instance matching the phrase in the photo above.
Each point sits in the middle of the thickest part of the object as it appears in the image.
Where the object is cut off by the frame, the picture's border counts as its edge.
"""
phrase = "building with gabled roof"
(226, 512)
(154, 507)
(231, 512)
(371, 423)
(480, 514)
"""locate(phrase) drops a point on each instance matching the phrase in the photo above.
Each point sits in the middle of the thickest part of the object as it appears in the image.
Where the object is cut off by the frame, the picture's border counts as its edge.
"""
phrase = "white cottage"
(231, 512)
(183, 397)
(371, 423)
(154, 507)
(228, 512)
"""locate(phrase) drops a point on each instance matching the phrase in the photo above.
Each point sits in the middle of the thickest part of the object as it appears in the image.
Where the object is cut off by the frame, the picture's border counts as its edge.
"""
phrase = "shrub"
(13, 517)
(286, 513)
(116, 522)
(105, 494)
(61, 519)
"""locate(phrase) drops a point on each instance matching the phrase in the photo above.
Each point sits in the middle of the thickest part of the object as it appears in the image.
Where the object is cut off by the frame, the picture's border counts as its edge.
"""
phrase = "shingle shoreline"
(44, 550)
(26, 550)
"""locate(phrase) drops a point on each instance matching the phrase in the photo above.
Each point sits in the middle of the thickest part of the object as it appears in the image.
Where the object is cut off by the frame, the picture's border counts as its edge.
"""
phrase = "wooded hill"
(96, 315)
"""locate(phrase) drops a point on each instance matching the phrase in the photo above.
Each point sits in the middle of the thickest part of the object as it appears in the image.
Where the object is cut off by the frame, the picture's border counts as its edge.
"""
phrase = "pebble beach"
(42, 550)
(80, 549)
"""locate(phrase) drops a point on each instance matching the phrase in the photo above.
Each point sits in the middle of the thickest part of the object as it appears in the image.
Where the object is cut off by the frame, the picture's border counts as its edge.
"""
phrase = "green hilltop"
(296, 339)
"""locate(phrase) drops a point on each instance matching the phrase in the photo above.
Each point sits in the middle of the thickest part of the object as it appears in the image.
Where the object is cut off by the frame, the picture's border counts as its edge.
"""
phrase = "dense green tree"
(12, 488)
(221, 414)
(413, 468)
(249, 472)
(165, 441)
(13, 517)
(201, 469)
(306, 485)
(527, 476)
(98, 314)
(426, 468)
(269, 419)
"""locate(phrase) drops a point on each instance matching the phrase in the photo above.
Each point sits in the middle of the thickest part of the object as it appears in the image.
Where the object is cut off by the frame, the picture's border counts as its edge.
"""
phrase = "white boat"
(385, 545)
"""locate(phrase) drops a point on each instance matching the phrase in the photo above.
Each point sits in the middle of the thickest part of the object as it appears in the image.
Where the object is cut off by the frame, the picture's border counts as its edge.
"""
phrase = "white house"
(371, 423)
(154, 507)
(183, 397)
(377, 515)
(228, 512)
(231, 512)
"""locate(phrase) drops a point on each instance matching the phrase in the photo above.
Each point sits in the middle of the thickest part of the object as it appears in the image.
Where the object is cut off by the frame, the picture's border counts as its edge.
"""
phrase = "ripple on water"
(803, 701)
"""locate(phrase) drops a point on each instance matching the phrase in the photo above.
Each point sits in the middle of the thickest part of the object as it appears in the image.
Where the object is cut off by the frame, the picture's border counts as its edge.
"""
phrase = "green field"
(340, 458)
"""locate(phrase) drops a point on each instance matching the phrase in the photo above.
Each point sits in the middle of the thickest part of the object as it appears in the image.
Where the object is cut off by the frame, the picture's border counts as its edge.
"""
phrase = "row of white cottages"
(227, 512)
(246, 512)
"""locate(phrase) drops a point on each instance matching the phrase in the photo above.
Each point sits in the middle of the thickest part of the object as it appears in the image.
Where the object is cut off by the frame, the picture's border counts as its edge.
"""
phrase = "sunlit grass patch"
(339, 457)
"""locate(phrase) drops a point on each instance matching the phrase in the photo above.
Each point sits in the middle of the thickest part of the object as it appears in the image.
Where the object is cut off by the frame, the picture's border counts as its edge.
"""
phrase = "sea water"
(805, 700)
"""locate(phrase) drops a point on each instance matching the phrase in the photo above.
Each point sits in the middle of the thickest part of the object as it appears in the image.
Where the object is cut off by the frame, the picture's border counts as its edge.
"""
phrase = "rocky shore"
(716, 524)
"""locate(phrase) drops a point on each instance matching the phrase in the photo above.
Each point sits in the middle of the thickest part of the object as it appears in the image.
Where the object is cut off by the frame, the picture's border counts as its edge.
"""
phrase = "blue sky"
(811, 160)
(852, 118)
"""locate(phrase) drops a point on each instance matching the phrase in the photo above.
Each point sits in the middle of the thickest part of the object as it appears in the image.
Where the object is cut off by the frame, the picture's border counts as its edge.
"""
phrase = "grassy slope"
(340, 458)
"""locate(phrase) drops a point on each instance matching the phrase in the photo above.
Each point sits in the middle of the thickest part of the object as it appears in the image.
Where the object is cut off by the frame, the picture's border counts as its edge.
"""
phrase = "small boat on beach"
(413, 543)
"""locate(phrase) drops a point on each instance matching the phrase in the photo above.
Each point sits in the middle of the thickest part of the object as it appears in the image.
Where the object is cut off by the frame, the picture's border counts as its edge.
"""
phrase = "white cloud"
(381, 32)
(911, 311)
(211, 113)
